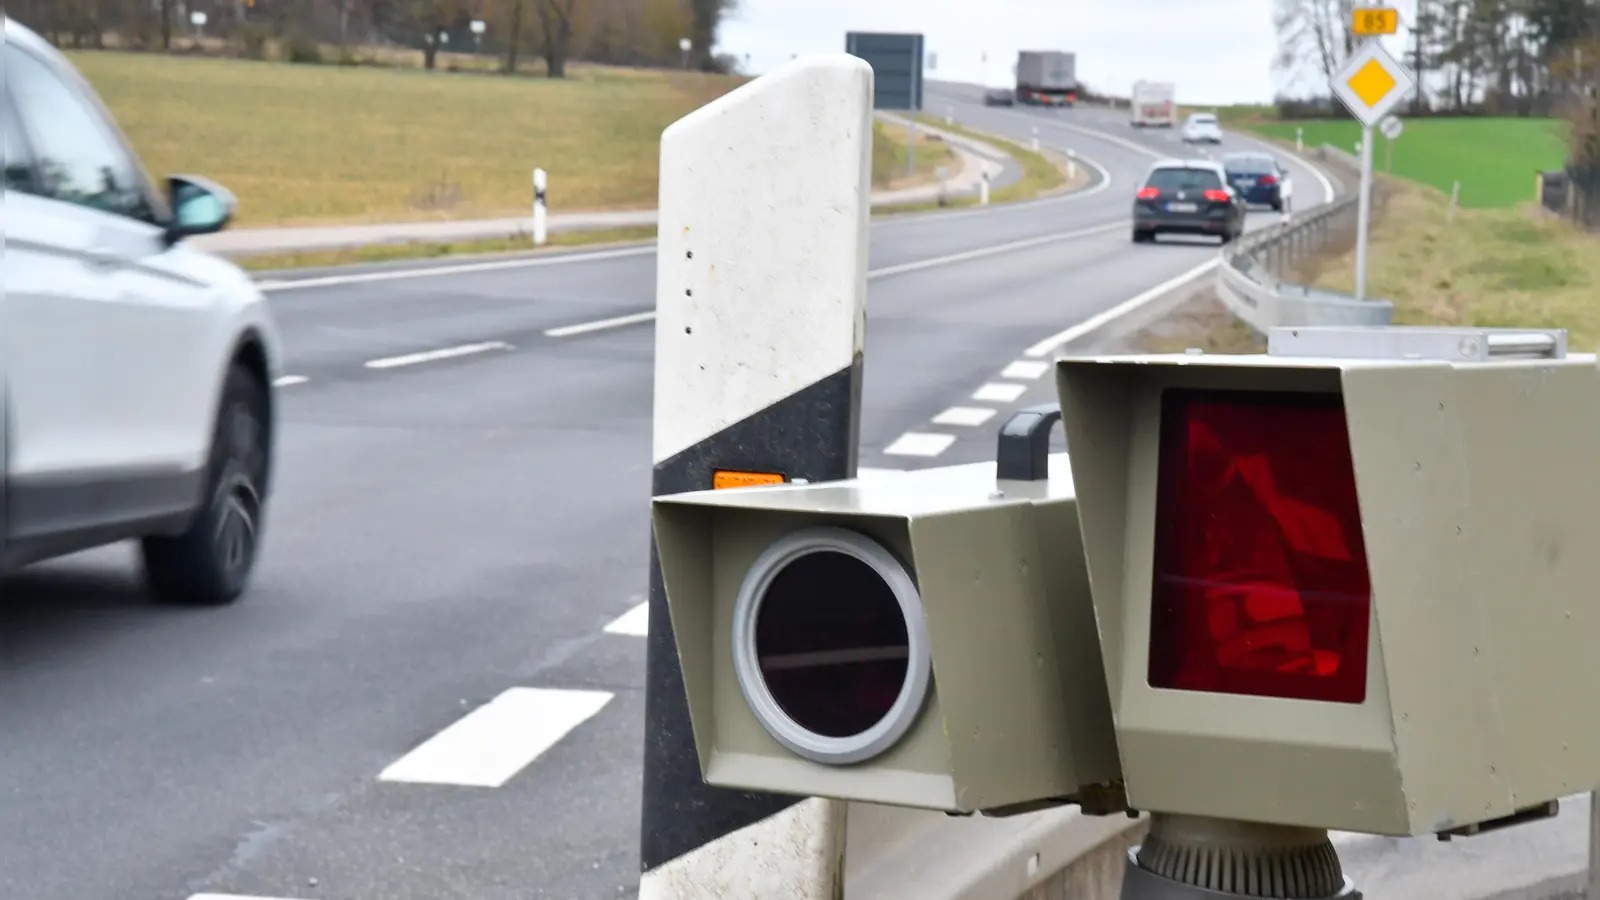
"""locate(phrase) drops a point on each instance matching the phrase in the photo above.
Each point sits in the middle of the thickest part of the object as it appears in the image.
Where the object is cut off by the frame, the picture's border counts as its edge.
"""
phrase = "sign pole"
(1364, 214)
(1370, 84)
(911, 145)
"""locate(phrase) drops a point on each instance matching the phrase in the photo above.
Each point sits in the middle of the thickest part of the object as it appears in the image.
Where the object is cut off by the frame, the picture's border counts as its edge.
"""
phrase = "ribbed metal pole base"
(1196, 858)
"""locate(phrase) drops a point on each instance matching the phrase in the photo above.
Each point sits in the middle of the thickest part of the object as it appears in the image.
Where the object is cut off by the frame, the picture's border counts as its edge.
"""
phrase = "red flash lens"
(1261, 584)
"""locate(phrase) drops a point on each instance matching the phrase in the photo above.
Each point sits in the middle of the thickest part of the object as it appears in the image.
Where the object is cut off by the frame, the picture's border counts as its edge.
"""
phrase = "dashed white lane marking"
(599, 325)
(999, 392)
(290, 381)
(967, 416)
(499, 739)
(634, 623)
(1025, 369)
(914, 443)
(426, 356)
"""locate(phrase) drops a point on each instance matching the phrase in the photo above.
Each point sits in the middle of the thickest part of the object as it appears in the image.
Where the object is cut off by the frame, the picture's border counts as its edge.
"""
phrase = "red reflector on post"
(1261, 584)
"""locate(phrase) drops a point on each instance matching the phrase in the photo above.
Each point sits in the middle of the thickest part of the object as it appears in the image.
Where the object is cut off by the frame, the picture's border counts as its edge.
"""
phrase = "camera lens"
(832, 644)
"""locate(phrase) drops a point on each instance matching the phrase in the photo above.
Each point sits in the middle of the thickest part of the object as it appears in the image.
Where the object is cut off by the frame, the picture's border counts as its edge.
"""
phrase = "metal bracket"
(1424, 343)
(1547, 810)
(1023, 453)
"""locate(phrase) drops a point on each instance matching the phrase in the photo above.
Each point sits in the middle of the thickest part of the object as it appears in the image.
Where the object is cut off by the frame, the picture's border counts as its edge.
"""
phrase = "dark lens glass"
(832, 644)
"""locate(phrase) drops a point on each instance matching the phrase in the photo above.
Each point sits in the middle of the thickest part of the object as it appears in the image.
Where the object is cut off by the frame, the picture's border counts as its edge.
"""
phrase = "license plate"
(1181, 207)
(1247, 182)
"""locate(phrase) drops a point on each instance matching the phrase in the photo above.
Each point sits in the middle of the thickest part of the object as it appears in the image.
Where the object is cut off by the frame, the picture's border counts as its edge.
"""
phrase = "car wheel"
(1143, 235)
(210, 563)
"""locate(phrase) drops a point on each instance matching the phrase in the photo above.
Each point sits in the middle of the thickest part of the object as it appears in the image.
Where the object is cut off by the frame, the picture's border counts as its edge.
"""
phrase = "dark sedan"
(1187, 197)
(1258, 178)
(999, 97)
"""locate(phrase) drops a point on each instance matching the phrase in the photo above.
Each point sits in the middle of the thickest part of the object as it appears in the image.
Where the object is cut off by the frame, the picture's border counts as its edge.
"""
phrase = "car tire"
(1143, 236)
(210, 563)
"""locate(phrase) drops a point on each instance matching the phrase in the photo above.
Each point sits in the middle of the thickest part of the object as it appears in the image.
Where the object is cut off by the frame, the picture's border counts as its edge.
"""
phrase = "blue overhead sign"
(896, 61)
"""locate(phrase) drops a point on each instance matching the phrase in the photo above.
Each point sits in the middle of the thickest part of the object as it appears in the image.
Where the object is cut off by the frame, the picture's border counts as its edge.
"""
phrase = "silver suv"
(137, 370)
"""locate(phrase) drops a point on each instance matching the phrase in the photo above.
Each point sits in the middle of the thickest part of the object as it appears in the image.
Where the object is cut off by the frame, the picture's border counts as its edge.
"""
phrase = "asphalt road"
(459, 523)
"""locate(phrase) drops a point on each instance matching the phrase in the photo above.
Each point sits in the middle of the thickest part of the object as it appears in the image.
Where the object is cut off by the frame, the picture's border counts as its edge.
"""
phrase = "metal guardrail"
(1248, 281)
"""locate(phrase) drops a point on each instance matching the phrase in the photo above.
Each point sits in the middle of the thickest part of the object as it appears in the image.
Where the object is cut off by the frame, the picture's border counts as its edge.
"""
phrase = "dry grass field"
(322, 143)
(1491, 267)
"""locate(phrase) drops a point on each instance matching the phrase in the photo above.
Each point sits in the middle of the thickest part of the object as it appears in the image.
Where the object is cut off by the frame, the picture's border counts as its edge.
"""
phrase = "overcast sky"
(1216, 51)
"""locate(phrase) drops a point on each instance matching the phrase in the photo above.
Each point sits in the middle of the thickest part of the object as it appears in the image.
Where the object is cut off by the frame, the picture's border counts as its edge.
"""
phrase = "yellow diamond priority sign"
(1371, 83)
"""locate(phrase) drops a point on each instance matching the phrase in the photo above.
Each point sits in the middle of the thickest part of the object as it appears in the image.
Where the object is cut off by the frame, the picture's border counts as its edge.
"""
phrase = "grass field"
(890, 145)
(1493, 267)
(1494, 159)
(299, 144)
(1503, 267)
(1040, 176)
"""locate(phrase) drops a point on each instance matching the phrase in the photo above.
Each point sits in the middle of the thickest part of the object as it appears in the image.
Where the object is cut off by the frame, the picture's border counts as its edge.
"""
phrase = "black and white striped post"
(760, 326)
(539, 207)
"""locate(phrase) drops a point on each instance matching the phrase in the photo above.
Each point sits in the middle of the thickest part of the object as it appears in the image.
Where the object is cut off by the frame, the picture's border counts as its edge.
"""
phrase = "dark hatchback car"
(1187, 197)
(999, 97)
(1258, 178)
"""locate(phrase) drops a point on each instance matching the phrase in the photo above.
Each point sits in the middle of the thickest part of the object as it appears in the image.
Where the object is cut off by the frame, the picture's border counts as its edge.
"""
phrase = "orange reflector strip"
(723, 479)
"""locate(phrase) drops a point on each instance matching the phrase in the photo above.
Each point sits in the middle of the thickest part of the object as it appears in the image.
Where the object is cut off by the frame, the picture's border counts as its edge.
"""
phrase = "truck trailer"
(1047, 78)
(1154, 104)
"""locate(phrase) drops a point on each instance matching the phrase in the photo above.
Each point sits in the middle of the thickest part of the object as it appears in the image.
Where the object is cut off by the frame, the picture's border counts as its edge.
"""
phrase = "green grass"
(1040, 175)
(1494, 159)
(890, 148)
(1491, 267)
(305, 143)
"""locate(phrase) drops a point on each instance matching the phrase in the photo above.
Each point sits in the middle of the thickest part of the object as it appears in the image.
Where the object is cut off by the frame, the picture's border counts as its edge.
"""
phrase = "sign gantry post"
(897, 64)
(1370, 84)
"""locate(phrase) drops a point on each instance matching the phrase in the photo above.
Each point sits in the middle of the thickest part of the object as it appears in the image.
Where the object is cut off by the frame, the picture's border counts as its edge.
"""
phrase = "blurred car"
(1187, 197)
(999, 97)
(139, 370)
(1202, 128)
(1259, 178)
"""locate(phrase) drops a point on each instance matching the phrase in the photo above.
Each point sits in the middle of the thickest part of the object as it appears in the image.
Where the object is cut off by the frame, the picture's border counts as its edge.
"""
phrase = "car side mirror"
(199, 206)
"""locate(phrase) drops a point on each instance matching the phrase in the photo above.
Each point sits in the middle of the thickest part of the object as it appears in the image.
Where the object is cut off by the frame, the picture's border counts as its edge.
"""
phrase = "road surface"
(434, 690)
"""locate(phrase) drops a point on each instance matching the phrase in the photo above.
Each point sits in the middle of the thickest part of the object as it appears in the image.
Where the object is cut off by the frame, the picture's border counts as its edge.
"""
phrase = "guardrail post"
(760, 304)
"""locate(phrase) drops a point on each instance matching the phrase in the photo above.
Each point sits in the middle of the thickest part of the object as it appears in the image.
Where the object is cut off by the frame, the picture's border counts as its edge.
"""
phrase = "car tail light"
(1149, 193)
(1267, 180)
(1260, 584)
(1216, 196)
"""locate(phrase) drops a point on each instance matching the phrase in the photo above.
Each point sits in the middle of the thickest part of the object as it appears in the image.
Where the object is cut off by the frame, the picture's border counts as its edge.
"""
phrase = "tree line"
(1472, 57)
(616, 32)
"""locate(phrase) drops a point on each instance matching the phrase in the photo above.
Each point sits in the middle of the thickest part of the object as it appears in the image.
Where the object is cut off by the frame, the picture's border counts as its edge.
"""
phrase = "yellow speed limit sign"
(1372, 21)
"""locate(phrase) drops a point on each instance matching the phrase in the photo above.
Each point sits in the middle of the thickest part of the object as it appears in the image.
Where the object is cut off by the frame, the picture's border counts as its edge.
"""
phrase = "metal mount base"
(1141, 884)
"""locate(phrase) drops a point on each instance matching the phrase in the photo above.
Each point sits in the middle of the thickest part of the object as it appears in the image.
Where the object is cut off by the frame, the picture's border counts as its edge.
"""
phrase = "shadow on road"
(69, 602)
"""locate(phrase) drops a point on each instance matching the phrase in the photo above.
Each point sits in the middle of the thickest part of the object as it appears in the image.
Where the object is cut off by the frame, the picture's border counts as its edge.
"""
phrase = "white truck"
(1047, 78)
(1154, 104)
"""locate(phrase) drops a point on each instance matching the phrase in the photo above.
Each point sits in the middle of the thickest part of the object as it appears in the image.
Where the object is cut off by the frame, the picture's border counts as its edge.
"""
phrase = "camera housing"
(924, 640)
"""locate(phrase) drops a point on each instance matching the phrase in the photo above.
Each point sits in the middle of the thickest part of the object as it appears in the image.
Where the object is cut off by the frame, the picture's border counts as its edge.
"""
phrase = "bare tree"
(166, 24)
(555, 32)
(514, 12)
(1313, 35)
